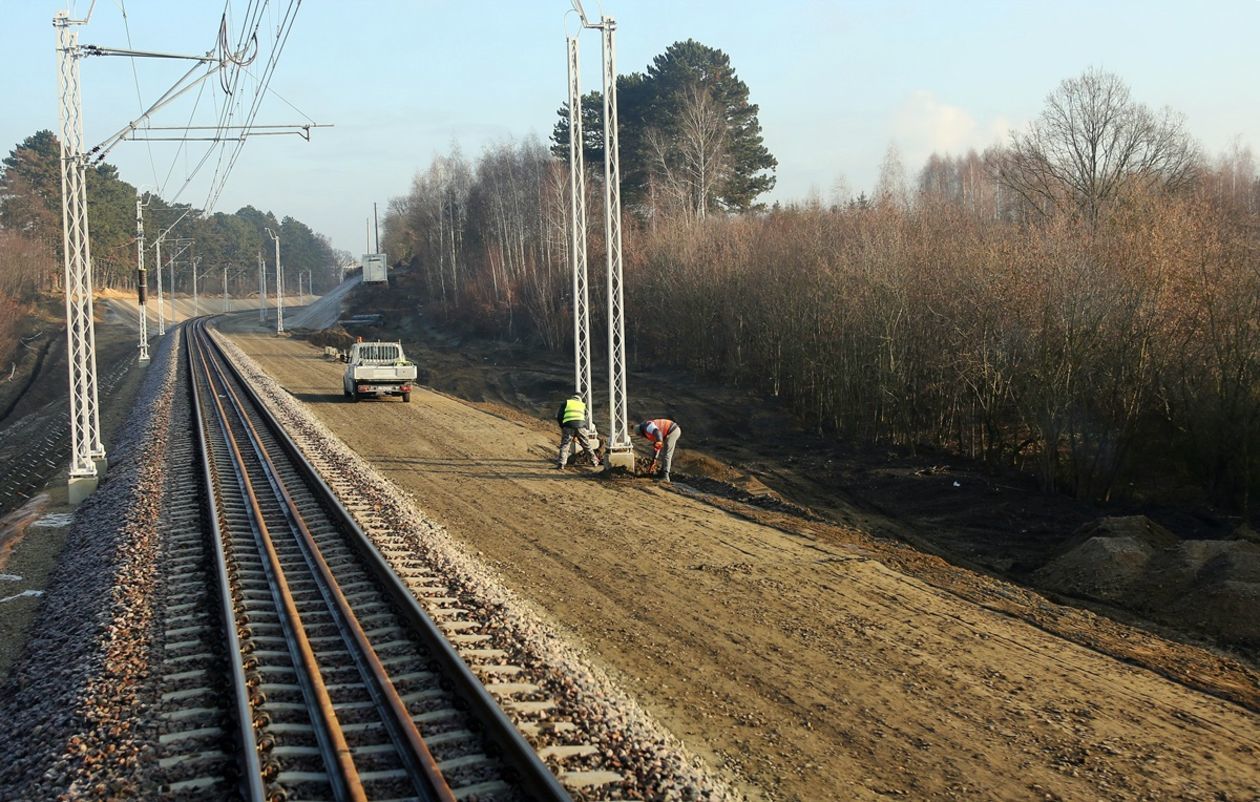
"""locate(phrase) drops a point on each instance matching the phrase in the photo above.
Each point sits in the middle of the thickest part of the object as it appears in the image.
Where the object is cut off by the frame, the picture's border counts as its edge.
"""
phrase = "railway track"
(342, 687)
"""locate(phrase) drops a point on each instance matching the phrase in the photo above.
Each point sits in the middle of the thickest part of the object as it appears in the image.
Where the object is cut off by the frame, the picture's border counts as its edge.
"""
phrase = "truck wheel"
(354, 396)
(407, 397)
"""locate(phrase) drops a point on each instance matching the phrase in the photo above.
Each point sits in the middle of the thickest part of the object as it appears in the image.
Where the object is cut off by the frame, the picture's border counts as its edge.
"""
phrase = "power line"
(183, 149)
(230, 84)
(122, 6)
(282, 38)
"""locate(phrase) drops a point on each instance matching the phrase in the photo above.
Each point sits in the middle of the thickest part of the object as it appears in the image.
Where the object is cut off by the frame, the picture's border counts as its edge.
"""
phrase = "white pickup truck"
(377, 369)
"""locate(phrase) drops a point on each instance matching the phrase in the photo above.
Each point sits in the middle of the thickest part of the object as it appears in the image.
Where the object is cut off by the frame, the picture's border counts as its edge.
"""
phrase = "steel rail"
(344, 761)
(252, 776)
(532, 774)
(402, 721)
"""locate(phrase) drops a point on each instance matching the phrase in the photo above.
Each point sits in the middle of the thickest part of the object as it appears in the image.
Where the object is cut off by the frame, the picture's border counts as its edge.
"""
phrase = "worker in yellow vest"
(572, 420)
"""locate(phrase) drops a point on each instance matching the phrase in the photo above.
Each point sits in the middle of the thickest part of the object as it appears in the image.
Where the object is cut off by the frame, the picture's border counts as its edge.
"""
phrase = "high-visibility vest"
(658, 429)
(574, 412)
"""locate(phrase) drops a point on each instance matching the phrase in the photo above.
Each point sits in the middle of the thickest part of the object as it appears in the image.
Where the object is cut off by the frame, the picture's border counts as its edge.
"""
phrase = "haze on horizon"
(836, 84)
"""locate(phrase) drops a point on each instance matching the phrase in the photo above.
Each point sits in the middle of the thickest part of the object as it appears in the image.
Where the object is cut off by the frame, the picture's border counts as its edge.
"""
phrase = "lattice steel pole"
(577, 241)
(161, 314)
(172, 265)
(86, 448)
(142, 283)
(279, 285)
(619, 447)
(262, 289)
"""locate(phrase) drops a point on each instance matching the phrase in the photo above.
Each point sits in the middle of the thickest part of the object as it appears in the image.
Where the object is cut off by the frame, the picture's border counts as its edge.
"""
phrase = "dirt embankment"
(818, 660)
(1198, 586)
(34, 451)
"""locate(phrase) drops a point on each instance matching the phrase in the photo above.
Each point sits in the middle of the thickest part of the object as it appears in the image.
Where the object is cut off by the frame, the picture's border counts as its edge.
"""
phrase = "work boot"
(665, 478)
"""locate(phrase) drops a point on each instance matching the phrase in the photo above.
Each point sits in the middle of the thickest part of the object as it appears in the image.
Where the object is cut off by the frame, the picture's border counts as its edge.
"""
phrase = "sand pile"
(1212, 585)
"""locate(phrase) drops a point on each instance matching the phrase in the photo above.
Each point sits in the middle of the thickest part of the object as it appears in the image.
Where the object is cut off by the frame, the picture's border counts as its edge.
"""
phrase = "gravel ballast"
(76, 704)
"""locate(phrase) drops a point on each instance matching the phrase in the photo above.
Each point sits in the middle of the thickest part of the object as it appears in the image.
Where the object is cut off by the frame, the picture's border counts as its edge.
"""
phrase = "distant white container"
(375, 268)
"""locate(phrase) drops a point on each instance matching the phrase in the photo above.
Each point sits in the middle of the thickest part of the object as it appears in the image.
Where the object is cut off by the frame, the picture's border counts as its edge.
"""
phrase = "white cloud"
(923, 125)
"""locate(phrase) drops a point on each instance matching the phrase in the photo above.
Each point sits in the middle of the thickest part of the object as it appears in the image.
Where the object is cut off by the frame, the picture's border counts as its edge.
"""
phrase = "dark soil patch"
(748, 448)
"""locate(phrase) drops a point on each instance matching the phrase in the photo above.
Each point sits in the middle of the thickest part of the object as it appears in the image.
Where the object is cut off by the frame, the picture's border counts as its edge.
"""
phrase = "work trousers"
(665, 457)
(569, 433)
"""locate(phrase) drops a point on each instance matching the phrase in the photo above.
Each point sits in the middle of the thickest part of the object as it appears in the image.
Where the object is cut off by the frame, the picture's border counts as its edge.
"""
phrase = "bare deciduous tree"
(891, 187)
(1091, 142)
(690, 163)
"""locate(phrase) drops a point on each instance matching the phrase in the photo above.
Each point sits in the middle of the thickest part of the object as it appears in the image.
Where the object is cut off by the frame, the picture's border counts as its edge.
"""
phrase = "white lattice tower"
(161, 314)
(618, 433)
(262, 288)
(577, 242)
(142, 283)
(85, 425)
(279, 285)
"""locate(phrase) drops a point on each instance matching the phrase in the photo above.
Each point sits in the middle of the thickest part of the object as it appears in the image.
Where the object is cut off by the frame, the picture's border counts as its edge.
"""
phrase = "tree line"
(1081, 302)
(31, 235)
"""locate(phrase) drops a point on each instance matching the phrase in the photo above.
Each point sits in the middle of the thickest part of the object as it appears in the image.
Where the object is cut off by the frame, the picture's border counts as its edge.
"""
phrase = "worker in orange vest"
(663, 434)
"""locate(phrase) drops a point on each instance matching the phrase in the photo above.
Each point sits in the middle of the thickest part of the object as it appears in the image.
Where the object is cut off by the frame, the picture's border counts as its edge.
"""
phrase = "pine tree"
(653, 110)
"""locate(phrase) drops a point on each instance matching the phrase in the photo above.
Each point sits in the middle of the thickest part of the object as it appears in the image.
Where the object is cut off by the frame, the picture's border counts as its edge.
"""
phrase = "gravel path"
(77, 703)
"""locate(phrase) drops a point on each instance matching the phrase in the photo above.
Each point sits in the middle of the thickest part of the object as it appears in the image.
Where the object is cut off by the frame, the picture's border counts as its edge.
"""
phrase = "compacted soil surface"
(1186, 567)
(809, 655)
(35, 442)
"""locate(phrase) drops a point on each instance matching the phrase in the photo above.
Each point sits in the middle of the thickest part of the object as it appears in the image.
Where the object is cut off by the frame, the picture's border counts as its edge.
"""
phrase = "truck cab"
(377, 369)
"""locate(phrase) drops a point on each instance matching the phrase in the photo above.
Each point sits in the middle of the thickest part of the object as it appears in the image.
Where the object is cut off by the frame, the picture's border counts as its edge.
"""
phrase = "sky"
(837, 82)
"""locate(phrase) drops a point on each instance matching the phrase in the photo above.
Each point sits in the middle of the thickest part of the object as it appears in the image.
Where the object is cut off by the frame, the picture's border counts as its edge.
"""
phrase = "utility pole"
(376, 226)
(262, 288)
(87, 453)
(172, 265)
(279, 285)
(158, 275)
(179, 245)
(196, 304)
(142, 283)
(577, 242)
(225, 298)
(620, 450)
